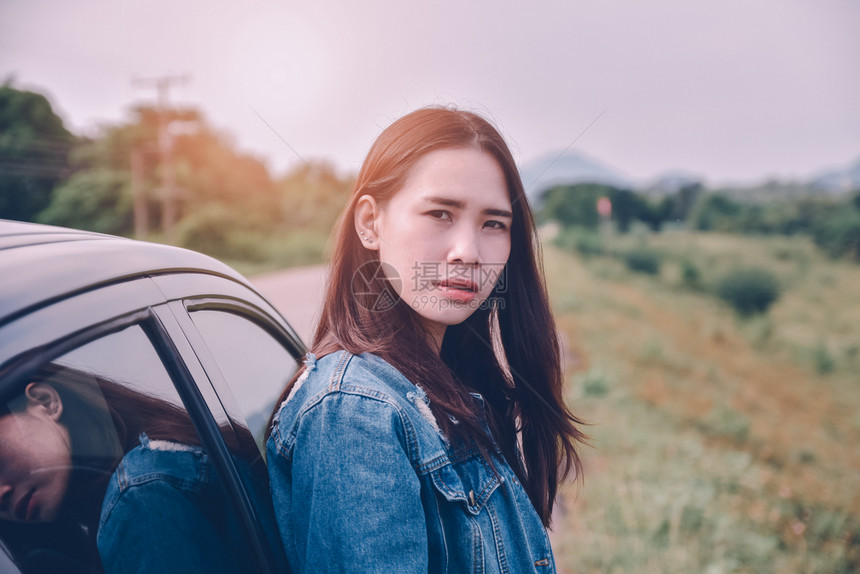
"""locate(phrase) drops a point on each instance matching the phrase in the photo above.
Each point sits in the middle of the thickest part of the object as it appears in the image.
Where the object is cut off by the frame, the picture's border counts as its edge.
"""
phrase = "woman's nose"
(464, 247)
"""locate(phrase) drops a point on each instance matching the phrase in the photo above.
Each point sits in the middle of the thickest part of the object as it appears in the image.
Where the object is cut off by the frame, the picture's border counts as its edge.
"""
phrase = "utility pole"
(165, 145)
(141, 211)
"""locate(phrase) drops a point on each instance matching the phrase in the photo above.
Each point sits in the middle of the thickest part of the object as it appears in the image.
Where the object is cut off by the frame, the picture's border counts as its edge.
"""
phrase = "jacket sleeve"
(346, 496)
(154, 527)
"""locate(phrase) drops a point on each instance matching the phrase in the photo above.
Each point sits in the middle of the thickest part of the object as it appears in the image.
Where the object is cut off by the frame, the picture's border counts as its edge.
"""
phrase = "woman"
(427, 430)
(96, 475)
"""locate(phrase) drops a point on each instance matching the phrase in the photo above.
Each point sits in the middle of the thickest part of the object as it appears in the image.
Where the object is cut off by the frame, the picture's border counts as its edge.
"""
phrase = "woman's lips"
(463, 291)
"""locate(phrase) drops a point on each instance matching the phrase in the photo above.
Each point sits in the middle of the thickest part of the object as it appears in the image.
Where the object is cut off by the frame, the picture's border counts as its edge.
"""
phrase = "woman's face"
(35, 462)
(446, 234)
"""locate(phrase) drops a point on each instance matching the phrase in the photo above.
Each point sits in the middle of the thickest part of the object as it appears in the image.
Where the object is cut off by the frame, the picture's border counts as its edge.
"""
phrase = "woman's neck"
(435, 336)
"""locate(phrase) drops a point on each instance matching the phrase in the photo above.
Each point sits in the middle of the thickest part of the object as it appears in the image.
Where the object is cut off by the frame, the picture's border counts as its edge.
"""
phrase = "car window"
(254, 363)
(100, 463)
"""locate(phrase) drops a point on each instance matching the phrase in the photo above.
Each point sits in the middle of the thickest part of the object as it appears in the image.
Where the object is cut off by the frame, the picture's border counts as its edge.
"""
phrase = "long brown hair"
(521, 379)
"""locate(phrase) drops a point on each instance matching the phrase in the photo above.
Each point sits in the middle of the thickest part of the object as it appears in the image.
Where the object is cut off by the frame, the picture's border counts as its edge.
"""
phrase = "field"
(721, 443)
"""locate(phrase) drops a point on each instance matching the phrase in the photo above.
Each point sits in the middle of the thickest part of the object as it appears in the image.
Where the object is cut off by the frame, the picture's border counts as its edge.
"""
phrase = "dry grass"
(723, 445)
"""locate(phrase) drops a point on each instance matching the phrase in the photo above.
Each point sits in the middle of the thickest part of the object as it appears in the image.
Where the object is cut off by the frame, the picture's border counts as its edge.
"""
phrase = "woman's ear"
(367, 221)
(43, 399)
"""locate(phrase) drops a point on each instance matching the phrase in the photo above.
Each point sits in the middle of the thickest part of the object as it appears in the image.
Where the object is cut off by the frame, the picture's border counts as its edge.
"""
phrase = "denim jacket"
(165, 511)
(363, 481)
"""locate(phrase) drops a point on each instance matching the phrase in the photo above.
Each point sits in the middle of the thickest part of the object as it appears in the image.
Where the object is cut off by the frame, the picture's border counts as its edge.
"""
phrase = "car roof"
(40, 264)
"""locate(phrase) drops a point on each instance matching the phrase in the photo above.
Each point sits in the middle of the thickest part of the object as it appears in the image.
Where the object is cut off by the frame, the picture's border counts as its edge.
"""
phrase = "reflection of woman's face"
(35, 464)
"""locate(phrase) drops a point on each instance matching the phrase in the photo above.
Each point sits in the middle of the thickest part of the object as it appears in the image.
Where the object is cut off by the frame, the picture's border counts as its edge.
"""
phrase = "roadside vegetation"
(724, 440)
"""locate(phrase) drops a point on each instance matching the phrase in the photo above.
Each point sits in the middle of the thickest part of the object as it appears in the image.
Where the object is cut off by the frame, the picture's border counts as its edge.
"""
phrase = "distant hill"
(553, 169)
(838, 181)
(571, 168)
(670, 182)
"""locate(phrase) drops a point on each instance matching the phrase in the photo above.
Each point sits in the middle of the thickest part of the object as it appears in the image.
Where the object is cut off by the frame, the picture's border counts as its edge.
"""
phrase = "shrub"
(299, 247)
(643, 260)
(824, 361)
(96, 200)
(726, 422)
(839, 234)
(589, 244)
(582, 241)
(717, 213)
(593, 383)
(206, 230)
(749, 290)
(213, 229)
(691, 276)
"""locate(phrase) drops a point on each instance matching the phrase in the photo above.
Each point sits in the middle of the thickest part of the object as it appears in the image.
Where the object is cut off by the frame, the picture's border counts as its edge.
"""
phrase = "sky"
(726, 90)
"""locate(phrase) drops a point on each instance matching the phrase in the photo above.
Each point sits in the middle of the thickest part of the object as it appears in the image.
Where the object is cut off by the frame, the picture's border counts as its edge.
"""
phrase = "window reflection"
(99, 474)
(255, 365)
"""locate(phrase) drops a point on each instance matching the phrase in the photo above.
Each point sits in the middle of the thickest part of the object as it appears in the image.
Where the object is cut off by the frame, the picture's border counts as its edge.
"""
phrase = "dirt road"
(297, 293)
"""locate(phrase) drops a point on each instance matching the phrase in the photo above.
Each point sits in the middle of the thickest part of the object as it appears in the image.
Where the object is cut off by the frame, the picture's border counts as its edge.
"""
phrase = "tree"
(98, 196)
(208, 171)
(839, 234)
(34, 149)
(574, 204)
(716, 212)
(313, 195)
(628, 207)
(97, 200)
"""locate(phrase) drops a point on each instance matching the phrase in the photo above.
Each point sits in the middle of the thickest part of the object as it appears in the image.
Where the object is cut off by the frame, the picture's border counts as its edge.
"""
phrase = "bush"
(717, 213)
(839, 234)
(824, 361)
(726, 422)
(213, 229)
(299, 247)
(691, 276)
(643, 260)
(593, 383)
(95, 200)
(749, 290)
(582, 241)
(206, 230)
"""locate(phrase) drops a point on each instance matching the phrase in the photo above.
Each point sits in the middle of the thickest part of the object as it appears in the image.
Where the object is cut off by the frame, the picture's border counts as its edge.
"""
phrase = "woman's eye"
(493, 224)
(439, 214)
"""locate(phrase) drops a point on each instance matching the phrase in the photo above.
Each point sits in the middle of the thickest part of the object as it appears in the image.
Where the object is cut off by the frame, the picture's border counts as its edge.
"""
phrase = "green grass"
(722, 443)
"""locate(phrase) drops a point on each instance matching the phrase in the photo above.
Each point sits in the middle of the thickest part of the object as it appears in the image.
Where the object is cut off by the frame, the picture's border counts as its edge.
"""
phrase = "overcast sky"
(728, 90)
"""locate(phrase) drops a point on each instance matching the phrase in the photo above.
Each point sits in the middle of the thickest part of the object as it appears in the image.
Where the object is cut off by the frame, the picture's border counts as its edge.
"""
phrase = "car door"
(137, 342)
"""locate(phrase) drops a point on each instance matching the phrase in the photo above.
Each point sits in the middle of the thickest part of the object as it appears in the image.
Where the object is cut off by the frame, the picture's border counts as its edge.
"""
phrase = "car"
(172, 327)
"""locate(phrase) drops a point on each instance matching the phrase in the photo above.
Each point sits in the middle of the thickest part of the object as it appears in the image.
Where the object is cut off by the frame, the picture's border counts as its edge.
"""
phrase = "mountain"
(838, 181)
(571, 168)
(568, 168)
(670, 182)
